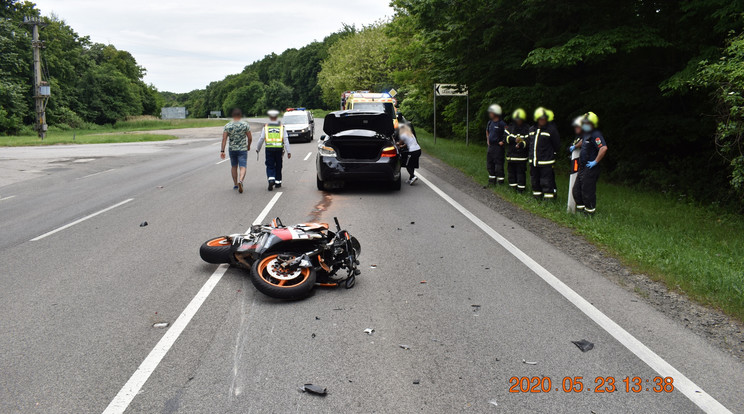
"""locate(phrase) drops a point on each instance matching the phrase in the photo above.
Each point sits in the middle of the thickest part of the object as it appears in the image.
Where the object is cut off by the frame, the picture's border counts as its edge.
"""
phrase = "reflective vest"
(274, 136)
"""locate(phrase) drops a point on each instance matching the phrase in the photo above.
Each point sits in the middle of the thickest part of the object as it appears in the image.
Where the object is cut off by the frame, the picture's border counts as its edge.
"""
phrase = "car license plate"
(294, 135)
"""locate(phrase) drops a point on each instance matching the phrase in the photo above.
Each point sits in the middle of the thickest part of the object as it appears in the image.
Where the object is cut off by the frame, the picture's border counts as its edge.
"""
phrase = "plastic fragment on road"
(313, 335)
(314, 389)
(416, 382)
(406, 347)
(374, 266)
(494, 403)
(584, 345)
(529, 362)
(369, 331)
(423, 282)
(160, 325)
(143, 224)
(413, 222)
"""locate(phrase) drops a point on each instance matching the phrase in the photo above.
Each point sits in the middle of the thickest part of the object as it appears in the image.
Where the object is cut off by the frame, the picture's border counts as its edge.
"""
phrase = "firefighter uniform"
(495, 157)
(585, 187)
(543, 144)
(517, 154)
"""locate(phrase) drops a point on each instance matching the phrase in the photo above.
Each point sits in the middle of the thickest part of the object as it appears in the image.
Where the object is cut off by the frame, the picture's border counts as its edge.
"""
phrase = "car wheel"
(320, 184)
(396, 184)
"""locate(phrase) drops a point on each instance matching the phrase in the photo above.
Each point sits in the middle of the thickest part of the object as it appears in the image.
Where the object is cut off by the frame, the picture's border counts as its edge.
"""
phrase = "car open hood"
(340, 121)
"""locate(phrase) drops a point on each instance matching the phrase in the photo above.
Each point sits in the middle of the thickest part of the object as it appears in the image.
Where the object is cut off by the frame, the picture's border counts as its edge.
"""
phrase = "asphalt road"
(470, 293)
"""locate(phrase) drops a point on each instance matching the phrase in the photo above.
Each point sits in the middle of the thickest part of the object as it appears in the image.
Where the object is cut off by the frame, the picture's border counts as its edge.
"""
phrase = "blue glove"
(571, 148)
(591, 164)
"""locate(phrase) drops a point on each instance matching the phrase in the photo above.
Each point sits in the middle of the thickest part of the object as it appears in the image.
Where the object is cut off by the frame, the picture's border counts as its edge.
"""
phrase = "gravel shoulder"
(716, 327)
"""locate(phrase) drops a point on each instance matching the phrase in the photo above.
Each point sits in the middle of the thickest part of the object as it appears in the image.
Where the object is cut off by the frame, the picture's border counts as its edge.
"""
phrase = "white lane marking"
(218, 142)
(308, 155)
(6, 198)
(125, 396)
(66, 226)
(94, 174)
(225, 160)
(681, 383)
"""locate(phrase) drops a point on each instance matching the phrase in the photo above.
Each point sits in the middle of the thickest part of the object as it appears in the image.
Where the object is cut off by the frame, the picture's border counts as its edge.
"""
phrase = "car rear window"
(375, 106)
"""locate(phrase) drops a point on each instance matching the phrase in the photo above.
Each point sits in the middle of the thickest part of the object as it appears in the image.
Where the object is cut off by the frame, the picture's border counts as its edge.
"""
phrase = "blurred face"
(577, 130)
(519, 121)
(493, 116)
(542, 121)
(587, 127)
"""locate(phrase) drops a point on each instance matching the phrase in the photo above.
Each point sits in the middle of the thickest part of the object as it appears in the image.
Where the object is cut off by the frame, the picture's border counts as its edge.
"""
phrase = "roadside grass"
(320, 113)
(102, 134)
(58, 138)
(694, 249)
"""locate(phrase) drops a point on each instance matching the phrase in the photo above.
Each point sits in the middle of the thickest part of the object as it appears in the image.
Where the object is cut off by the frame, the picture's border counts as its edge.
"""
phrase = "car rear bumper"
(333, 169)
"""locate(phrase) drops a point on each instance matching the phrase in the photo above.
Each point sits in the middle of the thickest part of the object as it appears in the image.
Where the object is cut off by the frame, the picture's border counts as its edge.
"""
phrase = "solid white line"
(91, 175)
(81, 220)
(125, 396)
(225, 160)
(658, 364)
(6, 198)
(308, 155)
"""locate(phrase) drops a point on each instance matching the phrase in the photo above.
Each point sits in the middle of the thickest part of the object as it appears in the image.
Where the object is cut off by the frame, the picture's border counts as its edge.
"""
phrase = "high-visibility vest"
(274, 136)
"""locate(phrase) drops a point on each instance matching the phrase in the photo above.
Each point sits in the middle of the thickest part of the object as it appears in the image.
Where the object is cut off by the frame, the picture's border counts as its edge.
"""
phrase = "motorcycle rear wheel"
(273, 281)
(216, 251)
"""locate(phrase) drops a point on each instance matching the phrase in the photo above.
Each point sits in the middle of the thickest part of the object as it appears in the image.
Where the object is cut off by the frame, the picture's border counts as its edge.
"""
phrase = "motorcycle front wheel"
(272, 280)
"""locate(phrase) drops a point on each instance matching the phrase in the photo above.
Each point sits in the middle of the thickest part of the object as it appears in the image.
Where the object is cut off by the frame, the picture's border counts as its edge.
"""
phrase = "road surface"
(474, 297)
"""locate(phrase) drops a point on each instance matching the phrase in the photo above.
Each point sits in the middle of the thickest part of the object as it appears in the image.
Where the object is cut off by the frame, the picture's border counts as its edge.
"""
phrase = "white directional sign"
(450, 89)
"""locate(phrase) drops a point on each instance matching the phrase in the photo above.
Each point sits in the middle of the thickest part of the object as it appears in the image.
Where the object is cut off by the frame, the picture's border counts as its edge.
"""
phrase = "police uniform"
(585, 188)
(495, 157)
(277, 141)
(543, 144)
(517, 154)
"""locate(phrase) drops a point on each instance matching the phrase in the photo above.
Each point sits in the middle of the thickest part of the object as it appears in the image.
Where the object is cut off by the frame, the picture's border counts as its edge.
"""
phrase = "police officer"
(593, 150)
(516, 150)
(543, 143)
(495, 135)
(277, 142)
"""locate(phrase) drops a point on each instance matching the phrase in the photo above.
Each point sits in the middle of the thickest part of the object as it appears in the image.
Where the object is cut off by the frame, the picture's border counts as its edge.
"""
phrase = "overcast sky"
(185, 44)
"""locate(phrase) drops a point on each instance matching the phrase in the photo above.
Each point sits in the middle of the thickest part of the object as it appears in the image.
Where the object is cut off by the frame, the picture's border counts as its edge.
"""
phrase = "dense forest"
(666, 78)
(90, 82)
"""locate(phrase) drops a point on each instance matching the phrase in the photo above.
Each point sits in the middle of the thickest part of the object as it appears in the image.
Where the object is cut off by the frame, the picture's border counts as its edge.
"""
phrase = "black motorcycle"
(288, 262)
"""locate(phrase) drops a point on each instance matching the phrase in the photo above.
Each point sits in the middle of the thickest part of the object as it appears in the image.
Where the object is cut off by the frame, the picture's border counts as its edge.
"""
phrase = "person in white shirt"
(410, 151)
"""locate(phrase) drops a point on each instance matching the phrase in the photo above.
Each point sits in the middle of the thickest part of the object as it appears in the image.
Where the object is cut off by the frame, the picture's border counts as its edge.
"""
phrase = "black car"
(359, 146)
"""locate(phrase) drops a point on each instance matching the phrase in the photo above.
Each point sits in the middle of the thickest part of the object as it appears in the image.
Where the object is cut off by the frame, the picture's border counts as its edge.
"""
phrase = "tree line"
(91, 83)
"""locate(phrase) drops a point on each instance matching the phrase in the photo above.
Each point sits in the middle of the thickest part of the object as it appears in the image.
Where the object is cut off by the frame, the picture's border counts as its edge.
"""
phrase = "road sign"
(392, 93)
(450, 89)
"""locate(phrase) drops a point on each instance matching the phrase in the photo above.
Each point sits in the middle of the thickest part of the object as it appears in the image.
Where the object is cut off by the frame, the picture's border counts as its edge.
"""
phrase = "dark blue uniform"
(585, 187)
(495, 157)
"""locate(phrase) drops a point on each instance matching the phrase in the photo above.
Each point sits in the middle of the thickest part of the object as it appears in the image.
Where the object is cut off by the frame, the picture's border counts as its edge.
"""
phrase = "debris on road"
(317, 318)
(143, 224)
(313, 389)
(369, 331)
(529, 362)
(313, 335)
(374, 266)
(476, 308)
(160, 325)
(452, 226)
(584, 345)
(416, 382)
(494, 403)
(406, 347)
(338, 308)
(413, 222)
(423, 282)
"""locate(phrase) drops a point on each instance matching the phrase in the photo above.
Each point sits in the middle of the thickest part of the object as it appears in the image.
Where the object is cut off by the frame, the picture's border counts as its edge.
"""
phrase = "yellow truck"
(368, 101)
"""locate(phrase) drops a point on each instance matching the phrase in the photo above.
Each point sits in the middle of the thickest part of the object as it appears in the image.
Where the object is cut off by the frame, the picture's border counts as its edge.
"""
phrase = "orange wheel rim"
(287, 281)
(218, 242)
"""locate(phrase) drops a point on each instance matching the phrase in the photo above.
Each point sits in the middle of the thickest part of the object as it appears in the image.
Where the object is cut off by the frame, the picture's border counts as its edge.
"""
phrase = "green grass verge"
(57, 138)
(694, 249)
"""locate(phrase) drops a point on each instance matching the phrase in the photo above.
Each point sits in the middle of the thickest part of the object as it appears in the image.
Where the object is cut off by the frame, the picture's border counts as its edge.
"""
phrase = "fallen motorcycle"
(287, 262)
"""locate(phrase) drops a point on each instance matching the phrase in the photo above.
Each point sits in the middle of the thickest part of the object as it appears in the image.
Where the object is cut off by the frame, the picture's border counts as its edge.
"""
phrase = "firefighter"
(277, 143)
(495, 134)
(516, 150)
(593, 150)
(579, 132)
(543, 143)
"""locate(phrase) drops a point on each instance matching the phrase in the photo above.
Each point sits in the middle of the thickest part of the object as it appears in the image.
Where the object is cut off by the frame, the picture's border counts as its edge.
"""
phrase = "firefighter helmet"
(544, 113)
(495, 109)
(592, 118)
(519, 114)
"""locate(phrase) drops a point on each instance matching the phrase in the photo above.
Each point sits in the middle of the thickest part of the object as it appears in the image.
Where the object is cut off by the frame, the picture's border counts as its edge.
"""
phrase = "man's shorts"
(238, 158)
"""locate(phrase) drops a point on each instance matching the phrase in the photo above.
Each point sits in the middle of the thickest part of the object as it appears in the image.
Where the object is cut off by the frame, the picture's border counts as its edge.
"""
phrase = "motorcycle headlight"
(325, 151)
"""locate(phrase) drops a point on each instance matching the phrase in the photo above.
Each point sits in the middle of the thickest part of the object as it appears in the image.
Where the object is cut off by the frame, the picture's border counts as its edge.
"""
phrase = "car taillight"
(389, 152)
(324, 151)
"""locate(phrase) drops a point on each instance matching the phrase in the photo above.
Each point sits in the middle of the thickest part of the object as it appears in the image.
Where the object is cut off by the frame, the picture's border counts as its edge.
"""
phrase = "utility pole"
(41, 88)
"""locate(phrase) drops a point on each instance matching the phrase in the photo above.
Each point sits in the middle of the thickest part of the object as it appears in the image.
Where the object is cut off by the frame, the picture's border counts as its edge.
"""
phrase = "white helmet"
(272, 113)
(577, 122)
(495, 109)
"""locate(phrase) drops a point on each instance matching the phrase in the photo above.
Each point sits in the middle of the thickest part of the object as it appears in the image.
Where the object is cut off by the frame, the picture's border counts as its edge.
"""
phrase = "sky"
(186, 44)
